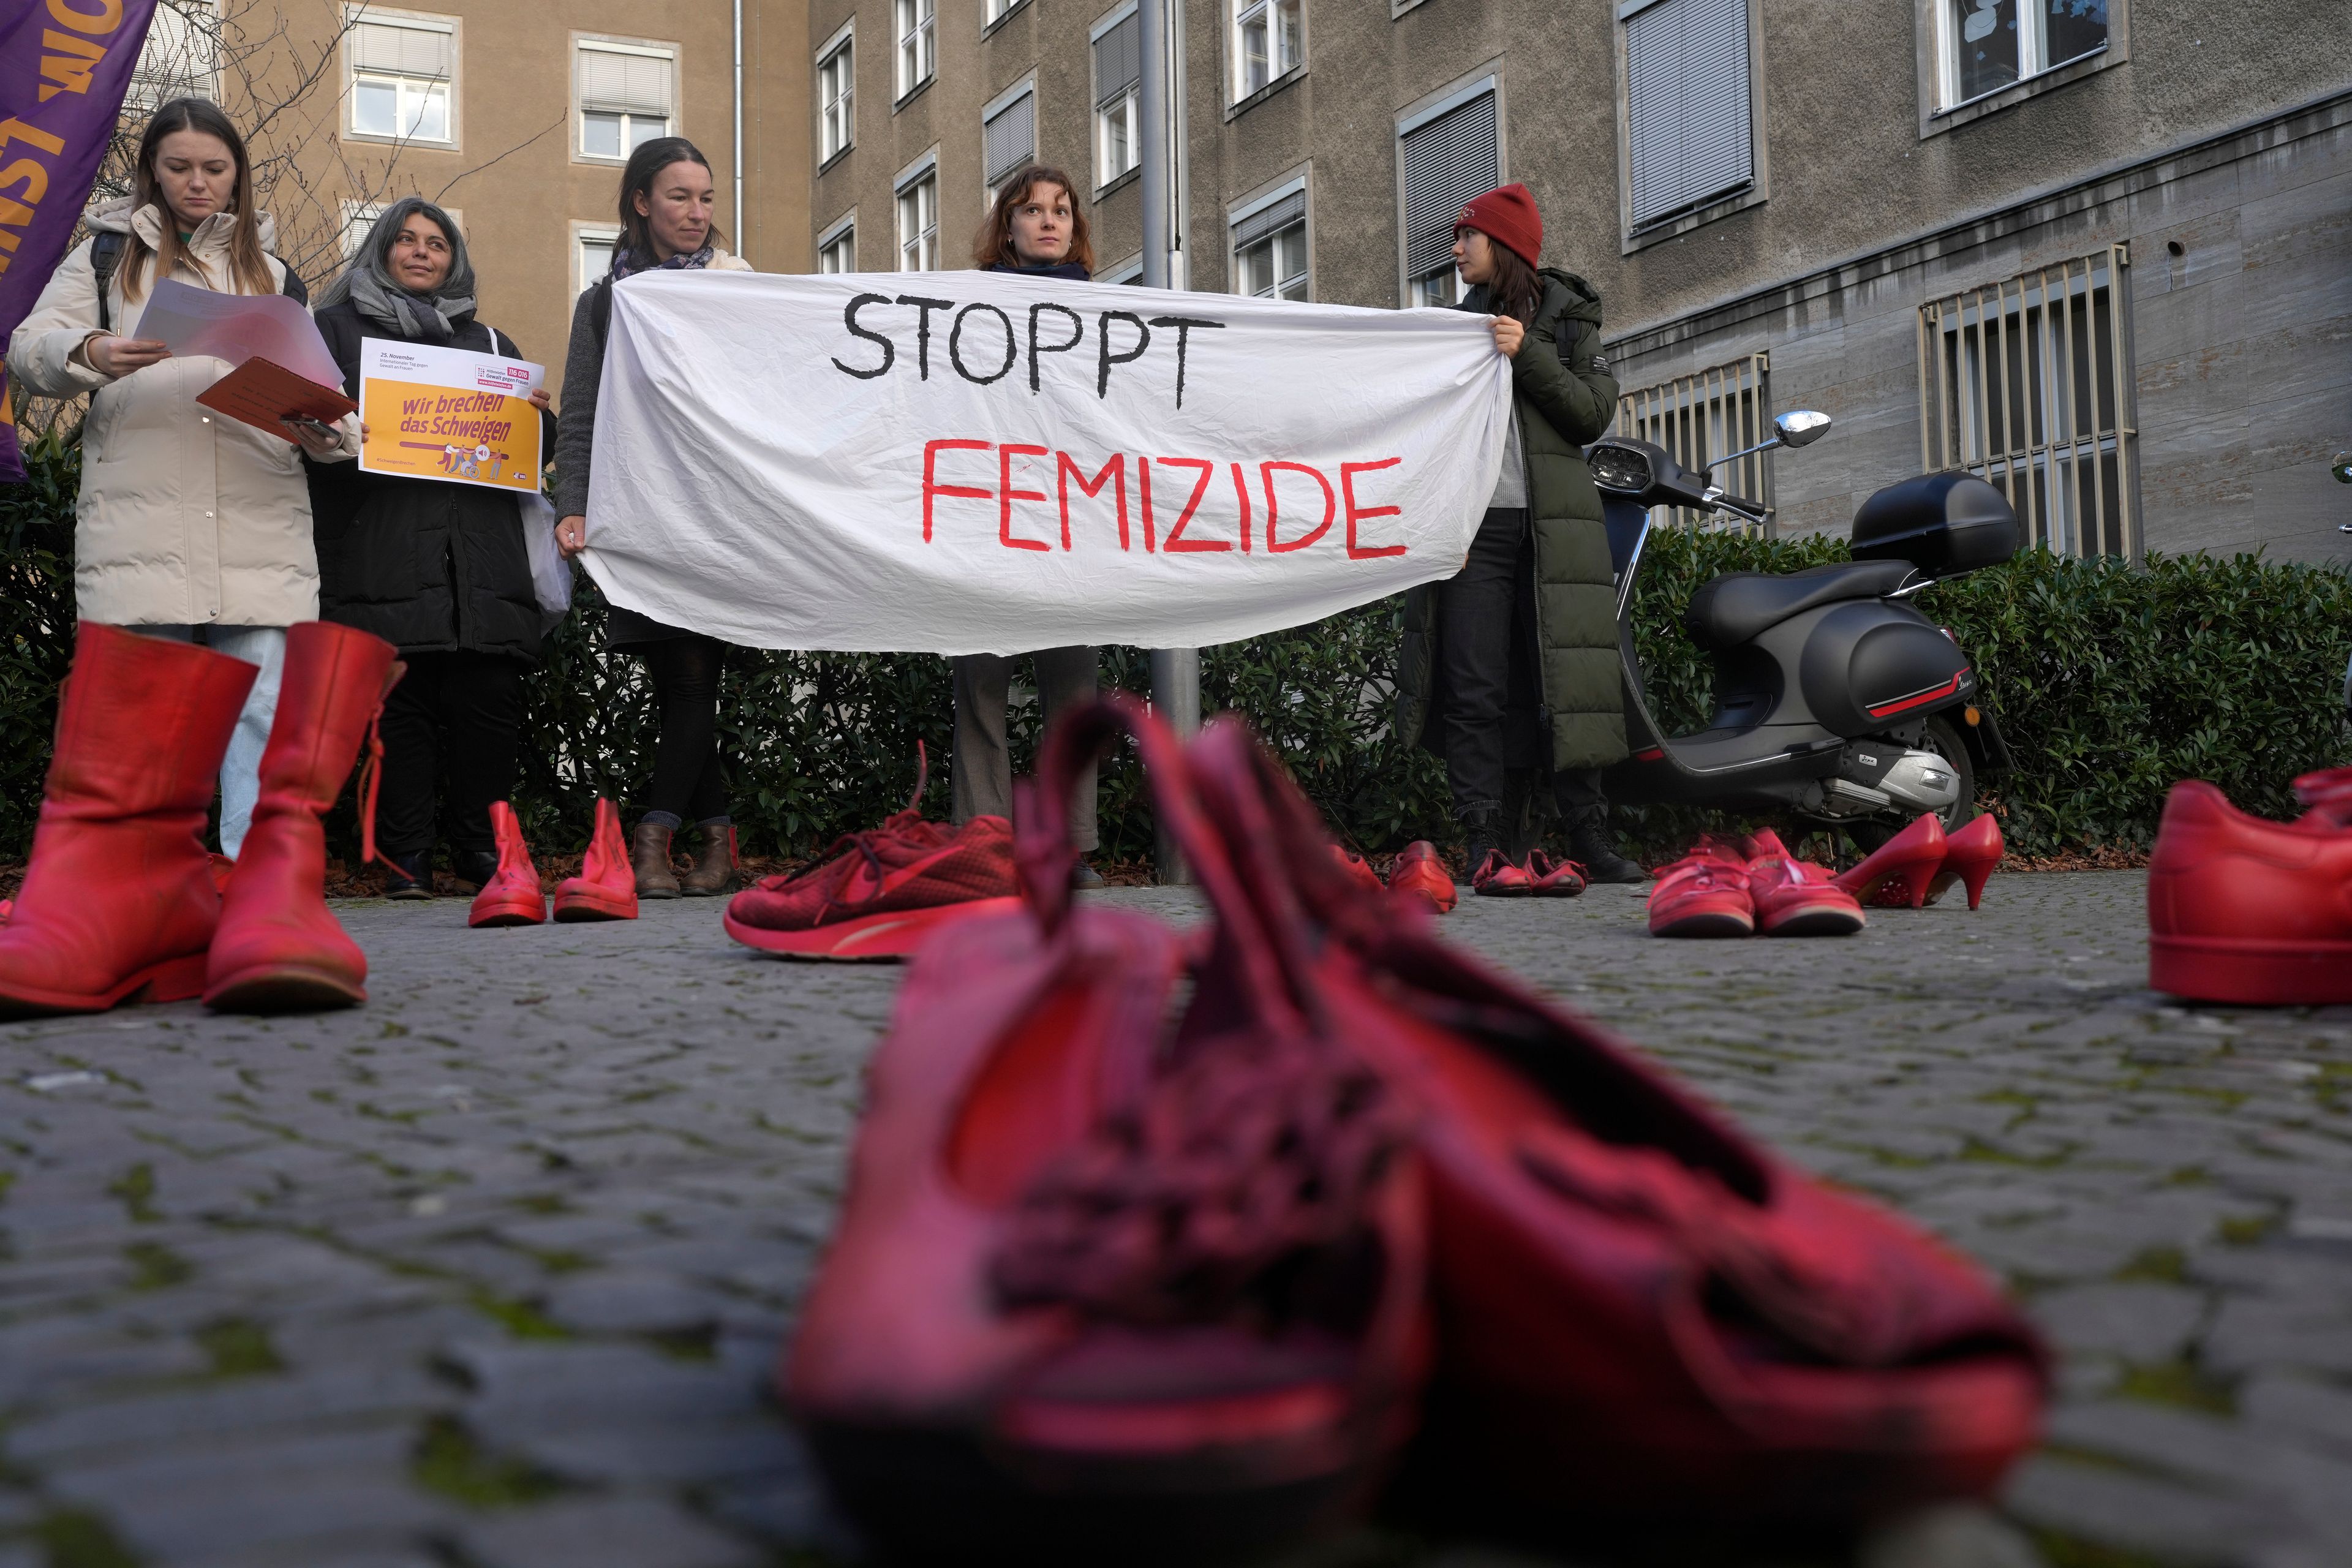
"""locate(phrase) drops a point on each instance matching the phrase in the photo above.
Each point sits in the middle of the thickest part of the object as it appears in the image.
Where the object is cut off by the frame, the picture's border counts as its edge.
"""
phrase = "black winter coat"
(427, 565)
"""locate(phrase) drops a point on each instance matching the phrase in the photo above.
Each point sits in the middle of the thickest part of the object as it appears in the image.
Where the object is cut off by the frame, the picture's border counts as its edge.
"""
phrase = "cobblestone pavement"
(492, 1271)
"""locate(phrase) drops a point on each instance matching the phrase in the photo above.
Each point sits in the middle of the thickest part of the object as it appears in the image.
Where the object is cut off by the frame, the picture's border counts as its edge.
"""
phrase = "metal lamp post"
(1175, 671)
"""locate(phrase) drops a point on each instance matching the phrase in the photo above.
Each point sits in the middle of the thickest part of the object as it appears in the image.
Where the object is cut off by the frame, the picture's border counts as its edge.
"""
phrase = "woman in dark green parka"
(1514, 663)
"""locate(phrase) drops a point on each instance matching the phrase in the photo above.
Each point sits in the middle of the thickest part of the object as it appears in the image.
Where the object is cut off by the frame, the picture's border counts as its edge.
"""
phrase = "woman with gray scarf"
(437, 568)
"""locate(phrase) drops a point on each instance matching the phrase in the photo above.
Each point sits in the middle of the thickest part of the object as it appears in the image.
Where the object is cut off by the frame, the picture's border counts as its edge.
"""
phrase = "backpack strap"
(105, 256)
(294, 288)
(599, 311)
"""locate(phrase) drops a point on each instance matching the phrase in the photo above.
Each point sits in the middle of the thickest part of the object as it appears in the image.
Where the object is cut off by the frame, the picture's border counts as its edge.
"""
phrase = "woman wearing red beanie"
(1512, 665)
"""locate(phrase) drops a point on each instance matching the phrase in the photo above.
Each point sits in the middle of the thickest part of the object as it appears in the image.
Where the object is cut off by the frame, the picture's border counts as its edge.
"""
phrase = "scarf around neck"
(369, 285)
(625, 263)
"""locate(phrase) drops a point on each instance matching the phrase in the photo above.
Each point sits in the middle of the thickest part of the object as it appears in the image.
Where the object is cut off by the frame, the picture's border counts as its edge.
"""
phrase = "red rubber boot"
(606, 887)
(119, 903)
(512, 897)
(279, 948)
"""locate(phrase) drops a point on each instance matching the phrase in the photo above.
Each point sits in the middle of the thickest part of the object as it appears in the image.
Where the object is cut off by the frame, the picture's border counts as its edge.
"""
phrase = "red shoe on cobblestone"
(1496, 878)
(883, 892)
(2247, 911)
(1420, 872)
(2327, 797)
(513, 896)
(1361, 874)
(1705, 893)
(606, 887)
(1971, 856)
(279, 948)
(1105, 1291)
(1793, 896)
(1897, 875)
(1556, 878)
(119, 902)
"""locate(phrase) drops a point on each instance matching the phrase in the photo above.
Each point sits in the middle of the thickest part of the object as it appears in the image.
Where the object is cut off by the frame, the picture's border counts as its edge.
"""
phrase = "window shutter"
(1688, 109)
(1119, 60)
(1010, 139)
(612, 82)
(423, 52)
(1272, 219)
(1447, 161)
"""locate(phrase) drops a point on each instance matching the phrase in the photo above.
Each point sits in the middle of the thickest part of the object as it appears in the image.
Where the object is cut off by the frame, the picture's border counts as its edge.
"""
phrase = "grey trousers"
(984, 766)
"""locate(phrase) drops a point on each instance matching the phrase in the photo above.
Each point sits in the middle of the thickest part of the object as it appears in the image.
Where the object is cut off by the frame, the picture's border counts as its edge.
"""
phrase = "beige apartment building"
(515, 115)
(2098, 250)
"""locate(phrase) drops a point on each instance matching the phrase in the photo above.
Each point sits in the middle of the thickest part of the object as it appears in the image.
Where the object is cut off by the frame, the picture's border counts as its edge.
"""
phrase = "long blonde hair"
(248, 263)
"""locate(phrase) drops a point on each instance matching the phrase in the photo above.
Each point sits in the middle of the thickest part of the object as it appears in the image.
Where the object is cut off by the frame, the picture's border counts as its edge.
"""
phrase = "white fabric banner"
(975, 462)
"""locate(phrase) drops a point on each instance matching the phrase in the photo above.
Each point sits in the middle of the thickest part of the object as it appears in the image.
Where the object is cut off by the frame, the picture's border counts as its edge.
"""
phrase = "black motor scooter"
(1834, 698)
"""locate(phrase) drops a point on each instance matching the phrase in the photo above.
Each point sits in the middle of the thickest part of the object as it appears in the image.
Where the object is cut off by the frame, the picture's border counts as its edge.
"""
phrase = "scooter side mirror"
(1802, 427)
(2342, 467)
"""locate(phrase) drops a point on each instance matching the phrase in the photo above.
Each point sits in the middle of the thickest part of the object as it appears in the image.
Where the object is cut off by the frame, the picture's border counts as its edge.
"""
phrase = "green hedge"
(2109, 682)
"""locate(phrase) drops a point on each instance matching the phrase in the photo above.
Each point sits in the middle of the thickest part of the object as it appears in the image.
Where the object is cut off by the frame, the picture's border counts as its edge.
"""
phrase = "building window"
(837, 99)
(1267, 43)
(1118, 77)
(1700, 417)
(1270, 249)
(1984, 46)
(995, 9)
(591, 246)
(1008, 137)
(1447, 159)
(837, 248)
(2028, 383)
(1689, 127)
(626, 91)
(401, 71)
(181, 57)
(917, 51)
(919, 222)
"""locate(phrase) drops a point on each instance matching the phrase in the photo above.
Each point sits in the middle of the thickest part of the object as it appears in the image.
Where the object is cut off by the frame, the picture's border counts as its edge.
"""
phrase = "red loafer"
(1420, 872)
(1362, 875)
(1556, 878)
(1705, 893)
(1796, 898)
(1496, 877)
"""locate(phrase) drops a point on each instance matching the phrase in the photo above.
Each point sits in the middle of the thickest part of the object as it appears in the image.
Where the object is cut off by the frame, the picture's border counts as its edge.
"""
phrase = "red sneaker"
(1420, 871)
(2242, 910)
(1796, 898)
(1705, 893)
(1556, 878)
(1897, 875)
(1103, 1290)
(1363, 875)
(513, 896)
(1496, 878)
(881, 892)
(1969, 857)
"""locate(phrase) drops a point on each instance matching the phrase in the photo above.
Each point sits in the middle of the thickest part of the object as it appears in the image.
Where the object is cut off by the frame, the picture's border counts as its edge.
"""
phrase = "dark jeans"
(454, 715)
(983, 762)
(689, 782)
(1475, 612)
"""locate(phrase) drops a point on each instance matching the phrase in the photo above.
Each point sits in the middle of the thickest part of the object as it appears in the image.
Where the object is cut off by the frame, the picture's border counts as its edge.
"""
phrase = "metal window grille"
(1010, 137)
(1688, 106)
(1447, 161)
(402, 48)
(2028, 383)
(613, 81)
(1701, 417)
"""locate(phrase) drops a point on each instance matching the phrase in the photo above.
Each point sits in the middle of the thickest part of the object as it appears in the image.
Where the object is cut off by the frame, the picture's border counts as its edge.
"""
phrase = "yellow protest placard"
(448, 414)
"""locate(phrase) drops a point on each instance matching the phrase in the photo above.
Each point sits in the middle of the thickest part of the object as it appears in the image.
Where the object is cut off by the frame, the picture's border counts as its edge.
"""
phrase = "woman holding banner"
(1513, 663)
(190, 525)
(1035, 226)
(667, 203)
(437, 568)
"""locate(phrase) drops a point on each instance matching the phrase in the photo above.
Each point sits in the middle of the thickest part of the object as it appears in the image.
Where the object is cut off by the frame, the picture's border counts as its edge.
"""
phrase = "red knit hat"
(1508, 217)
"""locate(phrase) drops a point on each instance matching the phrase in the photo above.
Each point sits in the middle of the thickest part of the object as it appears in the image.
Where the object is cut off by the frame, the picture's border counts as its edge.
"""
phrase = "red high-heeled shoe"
(1896, 874)
(1969, 857)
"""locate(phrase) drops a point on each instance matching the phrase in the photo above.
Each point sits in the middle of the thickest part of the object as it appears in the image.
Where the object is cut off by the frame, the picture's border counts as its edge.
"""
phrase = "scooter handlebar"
(1755, 512)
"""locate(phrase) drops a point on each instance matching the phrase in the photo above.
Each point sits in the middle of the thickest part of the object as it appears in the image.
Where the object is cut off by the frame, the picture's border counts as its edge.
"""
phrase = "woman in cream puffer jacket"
(190, 524)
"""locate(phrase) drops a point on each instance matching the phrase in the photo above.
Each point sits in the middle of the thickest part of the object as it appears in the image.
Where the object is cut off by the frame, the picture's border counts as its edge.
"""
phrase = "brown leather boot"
(649, 858)
(714, 864)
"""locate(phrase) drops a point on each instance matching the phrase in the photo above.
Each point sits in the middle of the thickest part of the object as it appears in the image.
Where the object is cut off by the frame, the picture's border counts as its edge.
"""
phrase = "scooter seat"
(1738, 605)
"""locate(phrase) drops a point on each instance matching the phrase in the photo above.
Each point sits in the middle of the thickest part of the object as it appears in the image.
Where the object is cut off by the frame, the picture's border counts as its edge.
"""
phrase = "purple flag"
(63, 67)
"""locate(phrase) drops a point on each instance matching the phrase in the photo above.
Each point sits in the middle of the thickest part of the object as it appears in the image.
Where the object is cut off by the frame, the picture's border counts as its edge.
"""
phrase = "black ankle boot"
(1482, 826)
(474, 867)
(410, 876)
(1589, 846)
